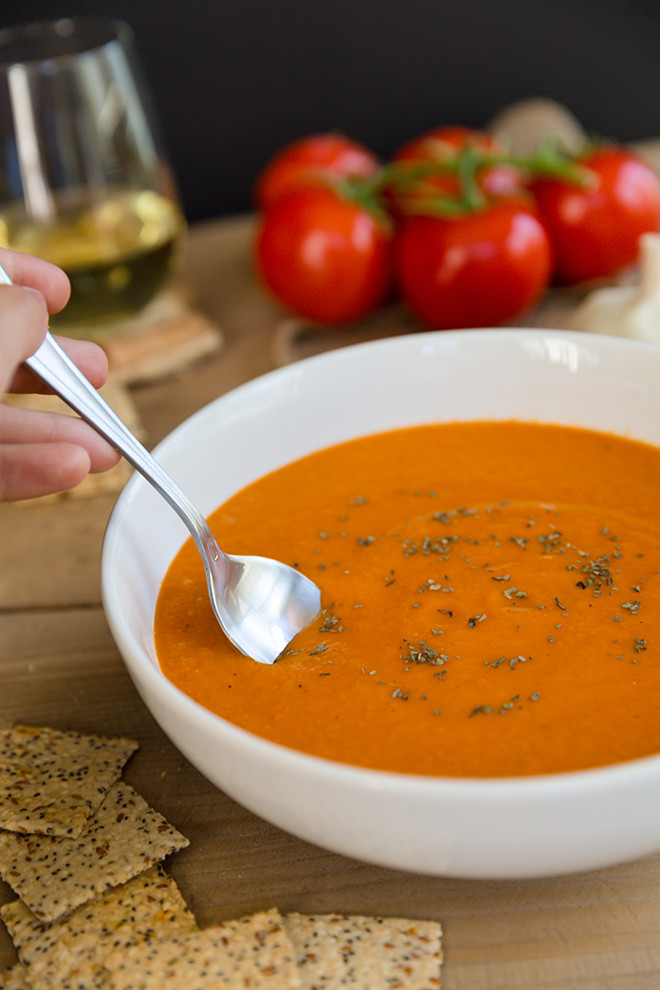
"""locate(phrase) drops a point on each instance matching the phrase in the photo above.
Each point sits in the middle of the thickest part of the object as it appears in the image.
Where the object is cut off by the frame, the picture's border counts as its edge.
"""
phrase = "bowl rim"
(585, 781)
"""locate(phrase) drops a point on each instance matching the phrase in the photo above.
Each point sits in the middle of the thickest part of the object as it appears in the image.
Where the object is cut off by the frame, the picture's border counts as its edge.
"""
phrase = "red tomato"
(596, 228)
(302, 161)
(443, 143)
(327, 257)
(476, 270)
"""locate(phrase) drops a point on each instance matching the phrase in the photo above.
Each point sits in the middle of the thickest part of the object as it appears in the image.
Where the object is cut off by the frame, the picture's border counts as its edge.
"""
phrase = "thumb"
(23, 324)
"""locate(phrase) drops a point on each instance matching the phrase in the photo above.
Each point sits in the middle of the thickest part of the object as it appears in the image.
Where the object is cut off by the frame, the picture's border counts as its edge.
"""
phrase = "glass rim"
(61, 37)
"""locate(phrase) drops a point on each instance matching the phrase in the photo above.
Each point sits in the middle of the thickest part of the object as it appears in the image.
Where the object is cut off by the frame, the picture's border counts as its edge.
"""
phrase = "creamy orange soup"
(491, 602)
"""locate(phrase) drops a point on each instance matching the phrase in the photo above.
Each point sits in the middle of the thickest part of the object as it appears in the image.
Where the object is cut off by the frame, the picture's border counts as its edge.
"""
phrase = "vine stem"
(410, 184)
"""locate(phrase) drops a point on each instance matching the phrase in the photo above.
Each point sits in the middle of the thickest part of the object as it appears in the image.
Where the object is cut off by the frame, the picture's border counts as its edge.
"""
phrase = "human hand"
(41, 452)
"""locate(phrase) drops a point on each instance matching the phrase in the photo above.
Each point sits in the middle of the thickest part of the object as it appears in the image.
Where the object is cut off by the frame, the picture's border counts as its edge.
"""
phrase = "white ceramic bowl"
(469, 828)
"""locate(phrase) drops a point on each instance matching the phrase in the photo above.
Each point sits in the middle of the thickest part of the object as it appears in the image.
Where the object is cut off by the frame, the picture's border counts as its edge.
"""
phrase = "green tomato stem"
(410, 182)
(405, 180)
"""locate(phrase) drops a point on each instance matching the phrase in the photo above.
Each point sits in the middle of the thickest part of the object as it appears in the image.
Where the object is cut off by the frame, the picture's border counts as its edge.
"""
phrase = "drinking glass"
(84, 182)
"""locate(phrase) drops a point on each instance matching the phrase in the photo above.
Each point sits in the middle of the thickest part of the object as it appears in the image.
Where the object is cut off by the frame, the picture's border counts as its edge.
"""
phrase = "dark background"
(233, 80)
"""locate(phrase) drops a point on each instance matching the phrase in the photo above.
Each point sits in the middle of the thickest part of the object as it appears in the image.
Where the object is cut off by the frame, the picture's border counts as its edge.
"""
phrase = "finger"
(31, 426)
(23, 321)
(23, 269)
(89, 357)
(30, 470)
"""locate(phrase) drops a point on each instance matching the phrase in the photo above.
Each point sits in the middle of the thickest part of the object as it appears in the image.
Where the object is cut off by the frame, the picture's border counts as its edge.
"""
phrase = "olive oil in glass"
(117, 251)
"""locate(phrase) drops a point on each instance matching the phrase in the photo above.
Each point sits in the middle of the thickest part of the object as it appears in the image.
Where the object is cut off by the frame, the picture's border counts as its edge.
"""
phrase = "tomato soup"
(490, 602)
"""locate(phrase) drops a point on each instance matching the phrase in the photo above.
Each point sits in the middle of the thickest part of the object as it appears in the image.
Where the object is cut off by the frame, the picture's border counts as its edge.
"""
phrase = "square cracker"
(252, 952)
(334, 951)
(52, 782)
(70, 952)
(54, 875)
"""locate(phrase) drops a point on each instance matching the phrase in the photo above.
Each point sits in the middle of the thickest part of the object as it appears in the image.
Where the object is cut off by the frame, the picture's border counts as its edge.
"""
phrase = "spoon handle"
(54, 367)
(57, 370)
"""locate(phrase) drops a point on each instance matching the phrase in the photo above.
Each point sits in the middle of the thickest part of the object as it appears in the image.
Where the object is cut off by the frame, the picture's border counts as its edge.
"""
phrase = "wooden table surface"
(60, 667)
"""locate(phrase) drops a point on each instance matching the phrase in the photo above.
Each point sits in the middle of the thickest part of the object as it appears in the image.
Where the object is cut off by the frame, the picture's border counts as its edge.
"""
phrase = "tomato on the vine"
(325, 253)
(478, 268)
(303, 161)
(473, 246)
(596, 226)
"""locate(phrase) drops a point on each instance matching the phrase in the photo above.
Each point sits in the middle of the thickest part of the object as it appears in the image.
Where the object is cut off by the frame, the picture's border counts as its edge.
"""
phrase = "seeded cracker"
(335, 951)
(14, 979)
(252, 952)
(52, 782)
(54, 875)
(70, 952)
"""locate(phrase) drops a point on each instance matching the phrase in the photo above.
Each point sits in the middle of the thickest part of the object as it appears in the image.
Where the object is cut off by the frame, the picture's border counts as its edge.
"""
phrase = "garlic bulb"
(631, 310)
(522, 127)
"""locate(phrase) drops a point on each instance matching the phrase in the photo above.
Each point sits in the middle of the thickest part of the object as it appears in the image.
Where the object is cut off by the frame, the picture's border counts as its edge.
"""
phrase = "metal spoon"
(261, 604)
